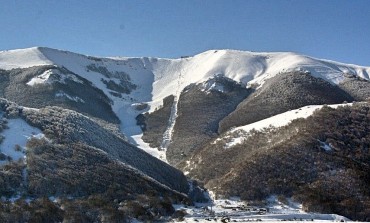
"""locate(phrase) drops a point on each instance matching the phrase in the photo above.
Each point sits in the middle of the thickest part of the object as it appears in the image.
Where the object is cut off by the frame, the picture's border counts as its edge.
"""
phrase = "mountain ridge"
(144, 82)
(194, 113)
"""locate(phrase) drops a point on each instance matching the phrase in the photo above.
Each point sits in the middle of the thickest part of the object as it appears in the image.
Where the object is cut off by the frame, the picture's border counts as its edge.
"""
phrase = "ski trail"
(167, 136)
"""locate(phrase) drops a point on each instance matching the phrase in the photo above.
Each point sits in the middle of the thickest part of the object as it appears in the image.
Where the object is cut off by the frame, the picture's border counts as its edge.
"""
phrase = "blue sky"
(331, 29)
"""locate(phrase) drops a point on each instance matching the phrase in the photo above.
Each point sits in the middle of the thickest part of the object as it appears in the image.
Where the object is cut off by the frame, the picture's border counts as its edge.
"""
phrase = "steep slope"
(282, 93)
(155, 124)
(322, 161)
(181, 106)
(23, 58)
(357, 87)
(131, 81)
(48, 85)
(199, 110)
(74, 141)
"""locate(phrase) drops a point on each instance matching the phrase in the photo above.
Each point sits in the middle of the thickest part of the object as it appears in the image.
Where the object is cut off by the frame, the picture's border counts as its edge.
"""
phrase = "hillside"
(282, 93)
(122, 122)
(321, 161)
(131, 81)
(66, 154)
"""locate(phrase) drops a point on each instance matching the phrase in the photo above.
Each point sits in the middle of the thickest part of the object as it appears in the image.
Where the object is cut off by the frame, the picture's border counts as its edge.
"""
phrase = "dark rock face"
(199, 110)
(282, 93)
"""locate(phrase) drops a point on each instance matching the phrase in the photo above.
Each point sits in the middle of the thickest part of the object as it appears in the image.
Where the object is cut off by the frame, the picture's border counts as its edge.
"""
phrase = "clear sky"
(331, 29)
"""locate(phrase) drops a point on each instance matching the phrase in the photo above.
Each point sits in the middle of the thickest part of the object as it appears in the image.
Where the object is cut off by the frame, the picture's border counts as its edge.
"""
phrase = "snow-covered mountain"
(195, 112)
(133, 83)
(169, 76)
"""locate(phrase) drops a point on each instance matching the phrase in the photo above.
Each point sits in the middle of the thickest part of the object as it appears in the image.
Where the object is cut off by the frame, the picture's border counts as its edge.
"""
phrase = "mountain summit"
(128, 82)
(145, 128)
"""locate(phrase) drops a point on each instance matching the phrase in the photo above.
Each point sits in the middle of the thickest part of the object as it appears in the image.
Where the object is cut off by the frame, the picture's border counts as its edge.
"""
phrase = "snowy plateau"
(136, 86)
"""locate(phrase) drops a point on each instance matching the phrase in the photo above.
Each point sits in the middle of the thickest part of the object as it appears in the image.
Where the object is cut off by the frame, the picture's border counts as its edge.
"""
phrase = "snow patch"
(325, 146)
(16, 136)
(41, 79)
(62, 94)
(159, 154)
(234, 141)
(51, 76)
(237, 135)
(286, 117)
(212, 85)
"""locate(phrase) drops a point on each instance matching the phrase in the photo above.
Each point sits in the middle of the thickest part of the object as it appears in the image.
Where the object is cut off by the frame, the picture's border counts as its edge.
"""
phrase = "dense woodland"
(322, 161)
(104, 189)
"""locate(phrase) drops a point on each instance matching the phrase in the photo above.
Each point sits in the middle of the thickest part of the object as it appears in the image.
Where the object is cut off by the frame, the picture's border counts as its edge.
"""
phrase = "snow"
(62, 94)
(167, 136)
(235, 141)
(18, 133)
(157, 78)
(45, 78)
(22, 58)
(212, 85)
(286, 117)
(239, 211)
(274, 121)
(325, 146)
(40, 79)
(159, 154)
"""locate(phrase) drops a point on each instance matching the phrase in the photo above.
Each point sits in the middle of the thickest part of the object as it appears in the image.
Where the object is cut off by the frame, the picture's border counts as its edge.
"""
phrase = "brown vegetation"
(295, 161)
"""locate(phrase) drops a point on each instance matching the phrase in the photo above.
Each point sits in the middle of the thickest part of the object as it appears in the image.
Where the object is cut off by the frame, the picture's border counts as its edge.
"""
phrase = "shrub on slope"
(322, 161)
(52, 172)
(155, 124)
(78, 95)
(357, 87)
(69, 129)
(200, 108)
(282, 93)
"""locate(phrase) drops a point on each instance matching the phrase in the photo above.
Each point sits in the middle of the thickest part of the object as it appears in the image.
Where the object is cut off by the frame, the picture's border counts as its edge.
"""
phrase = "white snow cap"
(22, 58)
(157, 78)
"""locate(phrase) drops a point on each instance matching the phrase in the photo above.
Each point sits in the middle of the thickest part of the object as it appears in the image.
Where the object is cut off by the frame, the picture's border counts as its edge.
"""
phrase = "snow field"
(158, 78)
(22, 58)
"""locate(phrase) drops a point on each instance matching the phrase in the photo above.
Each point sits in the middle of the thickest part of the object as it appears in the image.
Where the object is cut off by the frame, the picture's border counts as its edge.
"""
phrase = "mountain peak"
(22, 58)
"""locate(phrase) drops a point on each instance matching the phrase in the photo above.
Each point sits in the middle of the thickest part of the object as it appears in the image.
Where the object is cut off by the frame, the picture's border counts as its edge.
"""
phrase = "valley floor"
(234, 210)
